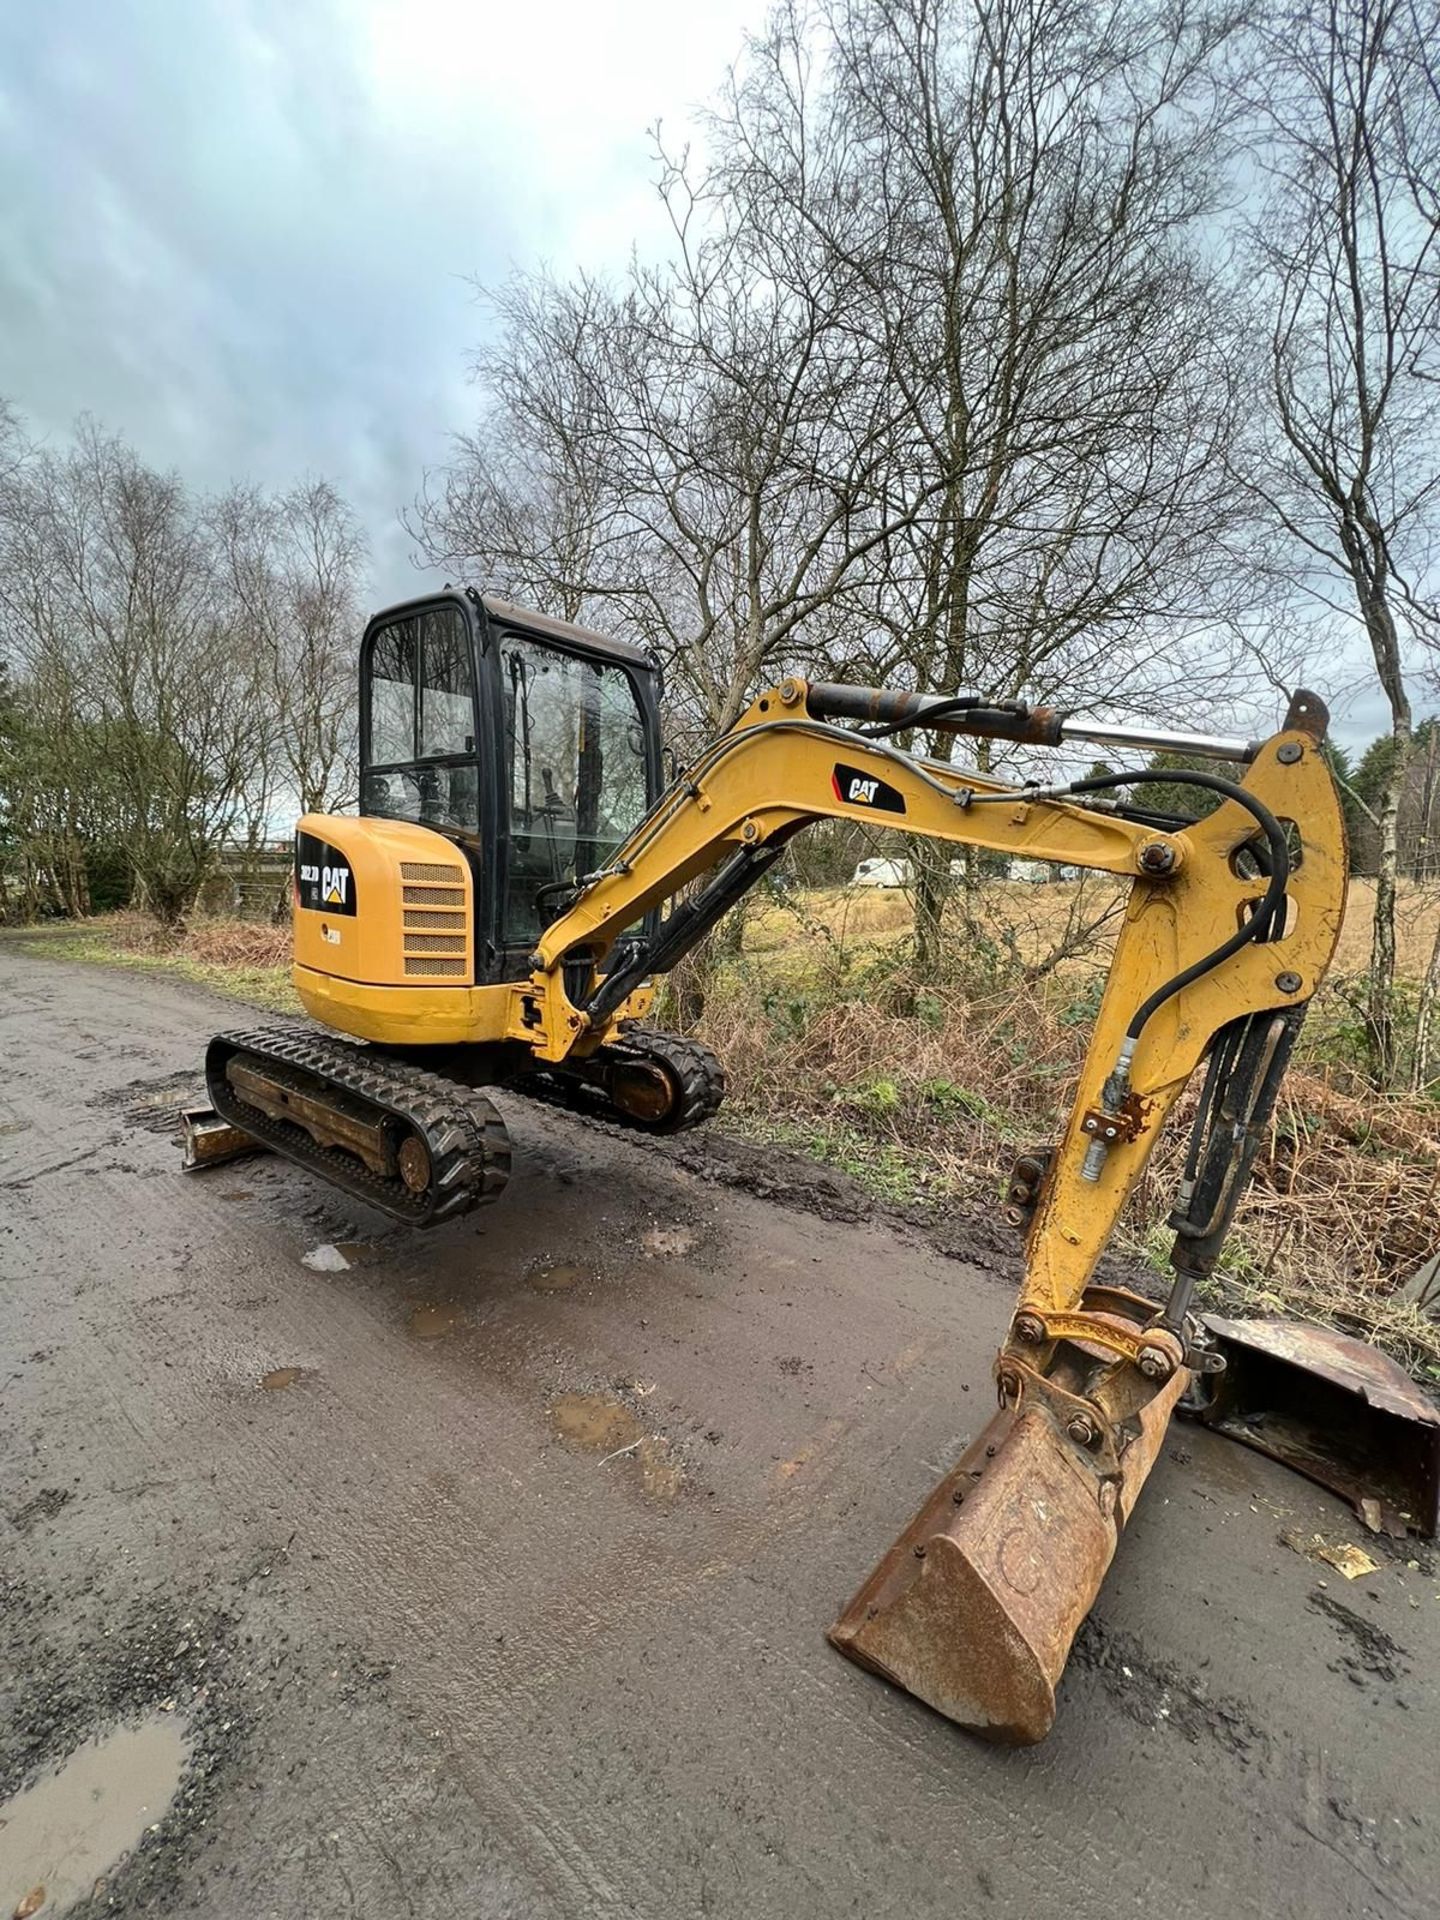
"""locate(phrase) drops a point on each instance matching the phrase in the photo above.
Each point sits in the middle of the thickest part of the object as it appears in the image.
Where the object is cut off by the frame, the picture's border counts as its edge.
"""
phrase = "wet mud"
(153, 1103)
(432, 1322)
(45, 1505)
(522, 1617)
(596, 1423)
(279, 1378)
(1159, 1693)
(559, 1277)
(1367, 1651)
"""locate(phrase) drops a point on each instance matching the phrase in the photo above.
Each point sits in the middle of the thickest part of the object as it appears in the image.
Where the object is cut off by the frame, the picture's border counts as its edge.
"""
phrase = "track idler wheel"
(655, 1082)
(644, 1092)
(976, 1605)
(413, 1160)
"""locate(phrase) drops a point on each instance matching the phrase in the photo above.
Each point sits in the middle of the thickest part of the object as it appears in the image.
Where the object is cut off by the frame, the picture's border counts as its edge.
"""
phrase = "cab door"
(577, 760)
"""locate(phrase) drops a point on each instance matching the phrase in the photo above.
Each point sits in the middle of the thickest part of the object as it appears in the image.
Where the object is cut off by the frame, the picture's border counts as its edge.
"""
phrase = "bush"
(934, 1094)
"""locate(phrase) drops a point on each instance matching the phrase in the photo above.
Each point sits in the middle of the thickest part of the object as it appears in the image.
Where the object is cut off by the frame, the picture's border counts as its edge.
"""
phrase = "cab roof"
(584, 639)
(566, 631)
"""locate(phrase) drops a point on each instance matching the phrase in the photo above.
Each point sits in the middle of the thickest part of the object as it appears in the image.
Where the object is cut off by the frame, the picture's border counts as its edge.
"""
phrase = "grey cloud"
(211, 241)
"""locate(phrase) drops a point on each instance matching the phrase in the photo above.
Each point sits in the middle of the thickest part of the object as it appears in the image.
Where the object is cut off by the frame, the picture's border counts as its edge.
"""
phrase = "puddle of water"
(601, 1425)
(433, 1323)
(661, 1473)
(657, 1242)
(325, 1259)
(595, 1422)
(557, 1279)
(279, 1378)
(74, 1825)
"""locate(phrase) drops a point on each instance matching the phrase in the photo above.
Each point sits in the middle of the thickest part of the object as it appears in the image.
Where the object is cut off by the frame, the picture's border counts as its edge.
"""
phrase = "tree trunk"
(932, 890)
(74, 881)
(1425, 1021)
(1364, 542)
(1380, 1012)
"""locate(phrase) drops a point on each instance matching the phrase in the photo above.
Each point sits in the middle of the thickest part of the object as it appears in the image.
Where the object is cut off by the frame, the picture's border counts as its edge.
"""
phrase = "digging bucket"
(975, 1606)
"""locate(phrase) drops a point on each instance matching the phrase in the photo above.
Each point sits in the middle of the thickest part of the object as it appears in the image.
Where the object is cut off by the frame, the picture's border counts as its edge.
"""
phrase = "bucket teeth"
(975, 1606)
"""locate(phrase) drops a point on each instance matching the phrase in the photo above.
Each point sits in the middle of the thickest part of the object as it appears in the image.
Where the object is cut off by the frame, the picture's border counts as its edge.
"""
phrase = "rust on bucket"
(975, 1606)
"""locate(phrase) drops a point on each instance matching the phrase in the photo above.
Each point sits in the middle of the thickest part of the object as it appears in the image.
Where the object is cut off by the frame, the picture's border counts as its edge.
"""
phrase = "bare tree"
(1015, 193)
(291, 565)
(180, 671)
(141, 693)
(693, 458)
(529, 495)
(1344, 260)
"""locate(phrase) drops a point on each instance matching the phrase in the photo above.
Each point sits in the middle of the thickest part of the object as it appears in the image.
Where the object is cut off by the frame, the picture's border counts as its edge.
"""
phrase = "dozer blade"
(1334, 1409)
(975, 1606)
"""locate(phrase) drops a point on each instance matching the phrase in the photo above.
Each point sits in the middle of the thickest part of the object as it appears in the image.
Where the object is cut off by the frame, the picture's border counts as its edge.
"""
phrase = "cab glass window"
(447, 705)
(393, 654)
(575, 740)
(422, 722)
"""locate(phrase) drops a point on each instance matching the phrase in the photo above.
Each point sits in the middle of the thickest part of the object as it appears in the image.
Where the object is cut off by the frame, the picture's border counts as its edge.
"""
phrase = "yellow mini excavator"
(518, 876)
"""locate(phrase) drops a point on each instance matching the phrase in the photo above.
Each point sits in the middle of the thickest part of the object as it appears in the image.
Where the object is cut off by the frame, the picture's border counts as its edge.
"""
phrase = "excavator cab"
(532, 744)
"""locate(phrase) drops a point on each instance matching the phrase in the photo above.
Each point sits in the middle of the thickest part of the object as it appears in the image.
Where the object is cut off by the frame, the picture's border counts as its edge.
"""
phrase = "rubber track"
(694, 1068)
(466, 1139)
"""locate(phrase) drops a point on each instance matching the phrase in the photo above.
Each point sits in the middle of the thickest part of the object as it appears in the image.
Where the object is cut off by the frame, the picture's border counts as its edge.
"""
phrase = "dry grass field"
(1037, 917)
(930, 1090)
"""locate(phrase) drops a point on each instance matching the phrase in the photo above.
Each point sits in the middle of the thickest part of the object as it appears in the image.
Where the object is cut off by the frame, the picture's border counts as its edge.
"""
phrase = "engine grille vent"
(434, 943)
(441, 921)
(433, 896)
(434, 921)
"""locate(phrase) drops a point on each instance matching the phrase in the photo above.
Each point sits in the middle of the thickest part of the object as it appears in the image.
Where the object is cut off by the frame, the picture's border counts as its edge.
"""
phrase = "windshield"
(575, 738)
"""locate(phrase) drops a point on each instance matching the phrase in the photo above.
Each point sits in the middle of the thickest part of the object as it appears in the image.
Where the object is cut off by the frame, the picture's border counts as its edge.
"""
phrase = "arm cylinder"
(830, 700)
(968, 712)
(1203, 746)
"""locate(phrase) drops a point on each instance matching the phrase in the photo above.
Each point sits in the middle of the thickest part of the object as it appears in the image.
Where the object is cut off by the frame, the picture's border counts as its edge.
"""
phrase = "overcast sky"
(244, 233)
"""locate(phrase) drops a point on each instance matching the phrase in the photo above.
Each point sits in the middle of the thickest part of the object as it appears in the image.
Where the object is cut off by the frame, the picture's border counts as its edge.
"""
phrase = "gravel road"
(485, 1574)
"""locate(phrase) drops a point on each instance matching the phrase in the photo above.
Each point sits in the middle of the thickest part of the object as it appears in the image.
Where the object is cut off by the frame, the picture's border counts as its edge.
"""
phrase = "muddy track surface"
(485, 1573)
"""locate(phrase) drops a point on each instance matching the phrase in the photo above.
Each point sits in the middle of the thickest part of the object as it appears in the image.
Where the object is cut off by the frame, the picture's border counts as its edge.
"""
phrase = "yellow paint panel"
(395, 865)
(429, 1015)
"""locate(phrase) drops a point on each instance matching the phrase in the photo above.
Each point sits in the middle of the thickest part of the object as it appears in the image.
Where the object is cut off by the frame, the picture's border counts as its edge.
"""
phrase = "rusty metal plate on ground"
(1333, 1408)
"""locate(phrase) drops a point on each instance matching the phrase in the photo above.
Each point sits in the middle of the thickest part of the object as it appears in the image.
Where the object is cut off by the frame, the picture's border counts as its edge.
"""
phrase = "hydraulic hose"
(943, 710)
(1258, 926)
